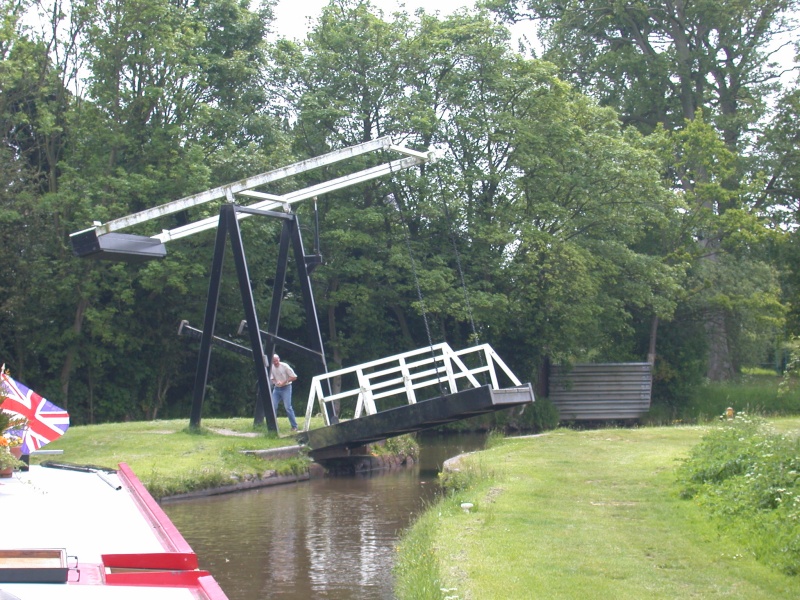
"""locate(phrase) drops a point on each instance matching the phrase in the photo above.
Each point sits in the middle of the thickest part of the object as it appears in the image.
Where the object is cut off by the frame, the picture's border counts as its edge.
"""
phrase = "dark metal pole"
(277, 296)
(280, 279)
(312, 322)
(316, 228)
(276, 340)
(189, 331)
(280, 282)
(204, 357)
(264, 395)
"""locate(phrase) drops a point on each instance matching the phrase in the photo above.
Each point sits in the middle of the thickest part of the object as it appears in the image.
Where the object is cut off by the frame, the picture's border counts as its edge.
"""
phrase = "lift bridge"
(410, 392)
(380, 399)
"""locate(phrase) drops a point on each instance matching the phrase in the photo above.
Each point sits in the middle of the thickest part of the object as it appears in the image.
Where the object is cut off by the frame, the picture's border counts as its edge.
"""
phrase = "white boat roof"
(116, 541)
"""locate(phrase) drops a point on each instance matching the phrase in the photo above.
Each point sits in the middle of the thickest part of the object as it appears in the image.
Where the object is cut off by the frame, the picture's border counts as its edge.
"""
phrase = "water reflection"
(327, 538)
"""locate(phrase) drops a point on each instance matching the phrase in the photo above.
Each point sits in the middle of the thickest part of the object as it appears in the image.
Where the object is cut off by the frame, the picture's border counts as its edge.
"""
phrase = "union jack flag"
(46, 421)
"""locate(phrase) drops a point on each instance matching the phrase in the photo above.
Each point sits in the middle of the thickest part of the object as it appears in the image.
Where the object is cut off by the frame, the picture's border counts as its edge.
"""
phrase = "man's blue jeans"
(284, 394)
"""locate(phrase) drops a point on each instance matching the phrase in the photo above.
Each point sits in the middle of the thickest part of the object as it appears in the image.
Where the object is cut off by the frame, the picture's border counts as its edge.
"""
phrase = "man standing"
(282, 377)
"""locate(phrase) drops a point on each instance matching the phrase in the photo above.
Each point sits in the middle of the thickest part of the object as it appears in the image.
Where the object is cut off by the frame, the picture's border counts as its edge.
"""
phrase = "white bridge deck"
(409, 392)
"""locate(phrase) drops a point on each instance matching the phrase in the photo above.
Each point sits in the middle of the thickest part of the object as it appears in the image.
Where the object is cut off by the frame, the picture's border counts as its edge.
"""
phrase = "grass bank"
(579, 514)
(170, 459)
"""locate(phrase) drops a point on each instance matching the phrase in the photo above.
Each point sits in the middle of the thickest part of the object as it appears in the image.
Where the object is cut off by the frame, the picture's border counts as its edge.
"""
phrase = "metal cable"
(475, 336)
(391, 201)
(451, 231)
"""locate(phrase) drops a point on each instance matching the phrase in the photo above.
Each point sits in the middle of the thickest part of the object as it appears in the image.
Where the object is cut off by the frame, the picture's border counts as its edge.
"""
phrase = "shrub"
(748, 478)
(404, 445)
(467, 474)
(541, 416)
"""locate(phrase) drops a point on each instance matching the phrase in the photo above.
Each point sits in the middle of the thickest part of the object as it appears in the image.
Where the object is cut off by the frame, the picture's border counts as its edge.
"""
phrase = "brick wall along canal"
(327, 538)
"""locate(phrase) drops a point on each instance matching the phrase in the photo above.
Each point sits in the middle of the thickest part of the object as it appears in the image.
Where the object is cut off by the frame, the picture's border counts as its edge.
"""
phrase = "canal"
(325, 538)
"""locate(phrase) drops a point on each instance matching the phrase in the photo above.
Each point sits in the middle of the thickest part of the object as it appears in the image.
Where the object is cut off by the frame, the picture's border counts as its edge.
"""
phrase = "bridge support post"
(290, 236)
(229, 225)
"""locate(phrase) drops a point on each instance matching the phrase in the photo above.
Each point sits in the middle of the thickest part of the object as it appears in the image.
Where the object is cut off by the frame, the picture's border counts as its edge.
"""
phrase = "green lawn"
(171, 459)
(568, 514)
(591, 514)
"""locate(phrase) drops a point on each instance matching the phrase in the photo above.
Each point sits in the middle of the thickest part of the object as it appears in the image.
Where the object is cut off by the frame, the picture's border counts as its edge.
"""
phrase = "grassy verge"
(169, 458)
(756, 394)
(746, 475)
(590, 514)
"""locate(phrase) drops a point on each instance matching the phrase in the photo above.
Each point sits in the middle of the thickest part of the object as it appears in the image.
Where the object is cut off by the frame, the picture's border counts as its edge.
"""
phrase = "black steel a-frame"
(103, 241)
(290, 235)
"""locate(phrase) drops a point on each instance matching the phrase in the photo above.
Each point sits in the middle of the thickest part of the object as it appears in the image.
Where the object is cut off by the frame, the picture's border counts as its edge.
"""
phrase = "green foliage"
(8, 460)
(658, 64)
(664, 70)
(546, 228)
(748, 478)
(759, 394)
(731, 289)
(541, 416)
(758, 371)
(403, 445)
(680, 366)
(165, 88)
(778, 159)
(604, 184)
(792, 371)
(525, 163)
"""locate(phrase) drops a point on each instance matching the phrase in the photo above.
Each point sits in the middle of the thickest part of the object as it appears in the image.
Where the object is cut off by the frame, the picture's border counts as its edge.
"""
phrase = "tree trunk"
(651, 350)
(163, 383)
(401, 319)
(720, 366)
(90, 385)
(543, 377)
(66, 369)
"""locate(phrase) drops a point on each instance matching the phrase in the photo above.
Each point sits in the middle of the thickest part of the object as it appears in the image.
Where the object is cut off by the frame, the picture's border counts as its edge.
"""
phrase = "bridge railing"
(410, 377)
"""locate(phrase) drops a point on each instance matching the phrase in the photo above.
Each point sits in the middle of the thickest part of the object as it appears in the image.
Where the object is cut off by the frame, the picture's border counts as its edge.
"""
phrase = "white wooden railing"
(437, 369)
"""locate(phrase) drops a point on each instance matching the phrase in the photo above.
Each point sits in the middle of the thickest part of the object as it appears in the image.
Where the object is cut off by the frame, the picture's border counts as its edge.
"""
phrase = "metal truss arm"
(269, 201)
(244, 187)
(244, 184)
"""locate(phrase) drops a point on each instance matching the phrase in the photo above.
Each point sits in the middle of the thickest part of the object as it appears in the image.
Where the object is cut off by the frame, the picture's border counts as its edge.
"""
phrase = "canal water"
(325, 538)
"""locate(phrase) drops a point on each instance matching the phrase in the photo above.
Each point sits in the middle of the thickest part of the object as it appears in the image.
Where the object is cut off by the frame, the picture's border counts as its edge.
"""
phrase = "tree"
(155, 120)
(344, 84)
(778, 157)
(549, 264)
(658, 62)
(34, 120)
(665, 64)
